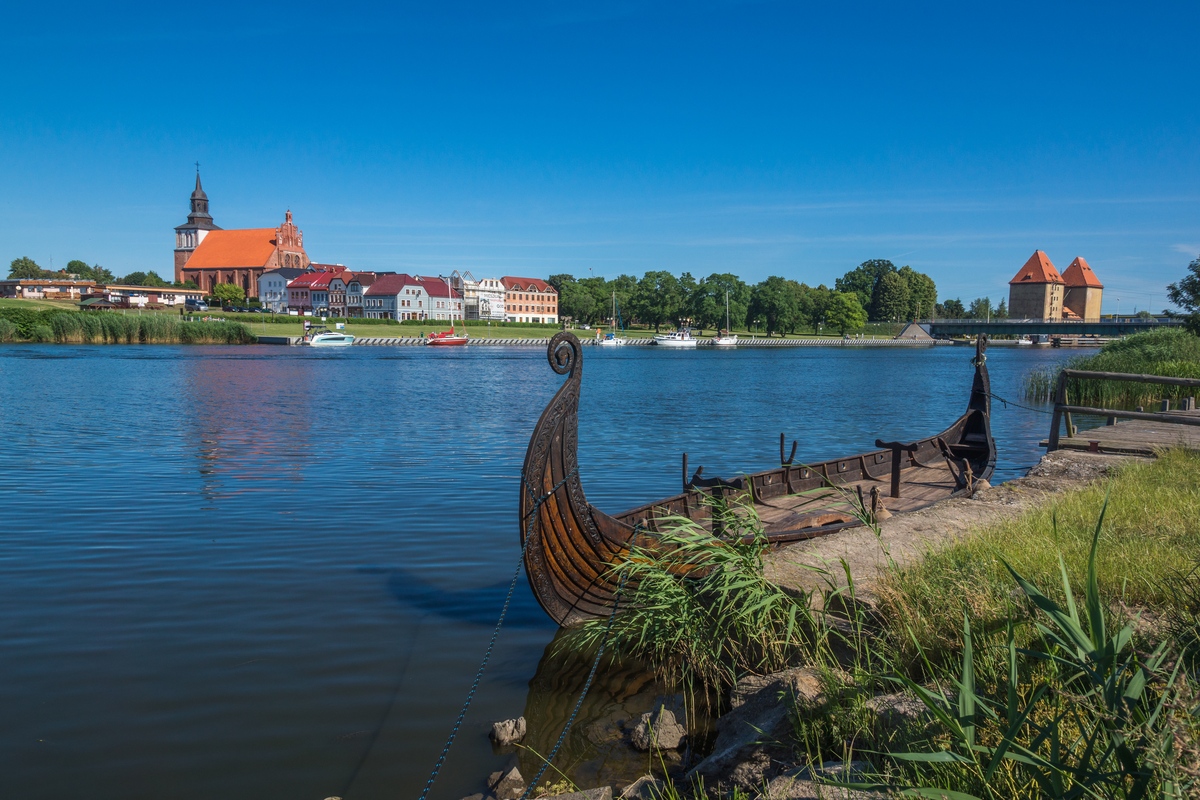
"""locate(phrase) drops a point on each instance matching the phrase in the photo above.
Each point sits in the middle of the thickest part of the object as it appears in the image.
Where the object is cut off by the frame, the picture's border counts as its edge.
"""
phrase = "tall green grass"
(108, 328)
(1166, 351)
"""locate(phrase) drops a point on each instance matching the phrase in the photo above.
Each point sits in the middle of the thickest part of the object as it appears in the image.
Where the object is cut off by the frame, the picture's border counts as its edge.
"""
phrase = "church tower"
(189, 235)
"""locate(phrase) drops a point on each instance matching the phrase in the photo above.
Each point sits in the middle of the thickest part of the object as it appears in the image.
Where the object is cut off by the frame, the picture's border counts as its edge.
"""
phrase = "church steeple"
(199, 222)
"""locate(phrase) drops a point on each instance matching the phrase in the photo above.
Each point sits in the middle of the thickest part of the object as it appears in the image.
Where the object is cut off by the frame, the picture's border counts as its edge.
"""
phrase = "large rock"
(751, 738)
(646, 787)
(658, 730)
(510, 731)
(899, 710)
(798, 784)
(507, 785)
(603, 793)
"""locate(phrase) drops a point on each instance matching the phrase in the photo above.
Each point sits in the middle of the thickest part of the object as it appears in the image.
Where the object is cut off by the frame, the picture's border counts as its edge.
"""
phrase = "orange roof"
(1037, 269)
(1080, 274)
(251, 247)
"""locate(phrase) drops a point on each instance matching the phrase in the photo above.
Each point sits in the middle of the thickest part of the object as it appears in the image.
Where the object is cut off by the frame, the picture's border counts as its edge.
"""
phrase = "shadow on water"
(597, 749)
(479, 605)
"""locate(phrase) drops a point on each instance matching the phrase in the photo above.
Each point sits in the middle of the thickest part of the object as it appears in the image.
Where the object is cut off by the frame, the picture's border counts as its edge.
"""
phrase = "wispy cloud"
(1186, 249)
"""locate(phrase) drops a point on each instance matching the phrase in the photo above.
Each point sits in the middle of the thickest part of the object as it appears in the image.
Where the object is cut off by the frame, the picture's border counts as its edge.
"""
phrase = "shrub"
(41, 334)
(8, 330)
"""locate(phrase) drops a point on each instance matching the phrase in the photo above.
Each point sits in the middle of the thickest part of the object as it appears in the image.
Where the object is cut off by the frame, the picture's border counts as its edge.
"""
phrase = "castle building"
(1084, 290)
(1038, 291)
(208, 255)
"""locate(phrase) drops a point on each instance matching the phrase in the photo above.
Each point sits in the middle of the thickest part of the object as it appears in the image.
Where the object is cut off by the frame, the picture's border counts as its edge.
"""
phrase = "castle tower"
(189, 235)
(1036, 291)
(1084, 290)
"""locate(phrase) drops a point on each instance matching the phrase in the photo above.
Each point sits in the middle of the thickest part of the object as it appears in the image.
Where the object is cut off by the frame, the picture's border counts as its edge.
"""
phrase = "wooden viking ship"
(572, 546)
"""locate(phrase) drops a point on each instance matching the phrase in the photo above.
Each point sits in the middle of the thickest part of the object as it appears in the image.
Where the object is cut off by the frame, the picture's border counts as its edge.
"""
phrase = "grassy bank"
(1167, 352)
(1052, 655)
(28, 324)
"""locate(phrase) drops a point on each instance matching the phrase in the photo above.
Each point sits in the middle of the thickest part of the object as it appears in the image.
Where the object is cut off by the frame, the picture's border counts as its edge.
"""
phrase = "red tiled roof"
(1080, 274)
(312, 280)
(329, 267)
(250, 247)
(436, 287)
(391, 284)
(526, 284)
(1037, 269)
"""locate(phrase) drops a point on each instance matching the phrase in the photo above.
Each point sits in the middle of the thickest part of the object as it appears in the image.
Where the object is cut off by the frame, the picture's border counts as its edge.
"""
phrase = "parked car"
(192, 304)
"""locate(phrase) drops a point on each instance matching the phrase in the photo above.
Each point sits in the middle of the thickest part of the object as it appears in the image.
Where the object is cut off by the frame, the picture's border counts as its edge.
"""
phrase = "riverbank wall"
(415, 341)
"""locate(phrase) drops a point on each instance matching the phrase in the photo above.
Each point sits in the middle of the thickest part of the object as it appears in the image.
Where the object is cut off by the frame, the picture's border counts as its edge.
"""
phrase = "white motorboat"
(323, 337)
(609, 340)
(1024, 340)
(677, 339)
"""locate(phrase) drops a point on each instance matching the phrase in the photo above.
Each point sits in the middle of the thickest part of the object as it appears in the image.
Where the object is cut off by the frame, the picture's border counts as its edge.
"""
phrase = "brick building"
(1038, 291)
(209, 255)
(529, 300)
(1084, 290)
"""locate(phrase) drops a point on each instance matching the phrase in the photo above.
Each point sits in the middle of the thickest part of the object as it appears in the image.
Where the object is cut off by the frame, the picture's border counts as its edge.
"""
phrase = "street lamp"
(1118, 308)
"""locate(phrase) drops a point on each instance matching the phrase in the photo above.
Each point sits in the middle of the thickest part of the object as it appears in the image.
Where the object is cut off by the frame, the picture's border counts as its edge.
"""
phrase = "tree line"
(26, 268)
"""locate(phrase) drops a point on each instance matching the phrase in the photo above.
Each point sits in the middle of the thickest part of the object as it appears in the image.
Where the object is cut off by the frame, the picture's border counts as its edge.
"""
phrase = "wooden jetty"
(1137, 432)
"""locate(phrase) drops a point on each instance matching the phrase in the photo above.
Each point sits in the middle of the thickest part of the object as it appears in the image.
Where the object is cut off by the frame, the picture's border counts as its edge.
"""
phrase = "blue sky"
(599, 138)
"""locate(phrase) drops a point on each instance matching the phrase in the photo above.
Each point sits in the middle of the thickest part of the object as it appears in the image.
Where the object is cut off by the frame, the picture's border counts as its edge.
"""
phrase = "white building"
(272, 288)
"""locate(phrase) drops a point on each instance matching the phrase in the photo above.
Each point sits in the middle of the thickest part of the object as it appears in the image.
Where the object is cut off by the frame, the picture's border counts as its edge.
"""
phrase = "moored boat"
(323, 337)
(447, 338)
(680, 338)
(570, 545)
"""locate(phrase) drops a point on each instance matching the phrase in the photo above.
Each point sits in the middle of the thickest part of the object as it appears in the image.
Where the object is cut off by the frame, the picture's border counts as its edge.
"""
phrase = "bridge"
(1107, 326)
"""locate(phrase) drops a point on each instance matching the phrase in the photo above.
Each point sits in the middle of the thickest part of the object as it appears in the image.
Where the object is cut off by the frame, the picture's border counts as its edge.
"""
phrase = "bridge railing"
(1063, 409)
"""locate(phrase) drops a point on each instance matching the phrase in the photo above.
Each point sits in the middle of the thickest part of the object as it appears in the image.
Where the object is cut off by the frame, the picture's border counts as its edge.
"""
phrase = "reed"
(1166, 351)
(105, 328)
(699, 610)
(8, 330)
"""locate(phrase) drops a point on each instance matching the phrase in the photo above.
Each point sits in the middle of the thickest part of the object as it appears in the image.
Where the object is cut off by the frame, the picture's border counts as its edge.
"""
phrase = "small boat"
(447, 338)
(323, 337)
(681, 338)
(609, 340)
(570, 546)
(1024, 340)
(724, 338)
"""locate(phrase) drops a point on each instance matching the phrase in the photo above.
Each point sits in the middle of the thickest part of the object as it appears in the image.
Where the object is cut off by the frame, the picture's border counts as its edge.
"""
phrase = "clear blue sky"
(599, 138)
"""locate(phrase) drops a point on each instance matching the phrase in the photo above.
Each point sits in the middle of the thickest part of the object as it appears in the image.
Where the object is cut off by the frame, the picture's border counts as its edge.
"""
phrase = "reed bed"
(106, 328)
(1166, 352)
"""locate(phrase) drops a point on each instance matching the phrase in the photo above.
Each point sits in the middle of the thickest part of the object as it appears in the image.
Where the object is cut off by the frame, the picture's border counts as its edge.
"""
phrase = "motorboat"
(681, 338)
(323, 337)
(1024, 340)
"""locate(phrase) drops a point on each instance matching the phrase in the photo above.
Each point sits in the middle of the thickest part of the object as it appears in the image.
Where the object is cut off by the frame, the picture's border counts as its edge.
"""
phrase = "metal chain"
(1008, 403)
(437, 768)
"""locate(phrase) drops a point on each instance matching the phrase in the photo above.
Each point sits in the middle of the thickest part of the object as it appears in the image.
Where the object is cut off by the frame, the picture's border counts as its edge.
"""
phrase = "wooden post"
(1166, 405)
(1060, 391)
(897, 449)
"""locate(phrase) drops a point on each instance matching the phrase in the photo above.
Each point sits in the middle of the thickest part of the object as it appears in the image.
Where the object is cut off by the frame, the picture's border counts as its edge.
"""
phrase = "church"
(209, 255)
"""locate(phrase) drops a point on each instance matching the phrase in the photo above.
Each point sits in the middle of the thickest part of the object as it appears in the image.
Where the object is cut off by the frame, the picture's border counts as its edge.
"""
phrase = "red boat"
(446, 338)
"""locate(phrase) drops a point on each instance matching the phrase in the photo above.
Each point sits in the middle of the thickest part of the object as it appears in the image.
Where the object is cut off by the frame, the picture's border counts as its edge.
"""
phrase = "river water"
(271, 572)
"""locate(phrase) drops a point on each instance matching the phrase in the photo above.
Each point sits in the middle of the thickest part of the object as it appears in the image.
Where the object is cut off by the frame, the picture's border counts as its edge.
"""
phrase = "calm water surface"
(271, 572)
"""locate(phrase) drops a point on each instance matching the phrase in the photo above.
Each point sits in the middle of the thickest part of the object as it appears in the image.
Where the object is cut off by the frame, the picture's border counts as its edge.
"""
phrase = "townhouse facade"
(273, 288)
(529, 300)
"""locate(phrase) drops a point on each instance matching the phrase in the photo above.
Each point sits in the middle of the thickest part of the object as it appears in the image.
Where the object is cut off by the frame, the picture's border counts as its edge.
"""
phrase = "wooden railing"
(1063, 410)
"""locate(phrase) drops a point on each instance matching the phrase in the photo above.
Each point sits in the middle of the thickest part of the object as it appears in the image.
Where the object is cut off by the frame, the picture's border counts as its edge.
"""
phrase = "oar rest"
(898, 449)
(960, 468)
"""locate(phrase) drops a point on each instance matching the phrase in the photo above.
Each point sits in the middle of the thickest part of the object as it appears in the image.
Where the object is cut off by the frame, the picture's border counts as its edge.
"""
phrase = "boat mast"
(726, 312)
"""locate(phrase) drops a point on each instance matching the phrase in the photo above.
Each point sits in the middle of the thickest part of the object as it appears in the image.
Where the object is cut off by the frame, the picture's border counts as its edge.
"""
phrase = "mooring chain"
(1008, 403)
(562, 737)
(538, 501)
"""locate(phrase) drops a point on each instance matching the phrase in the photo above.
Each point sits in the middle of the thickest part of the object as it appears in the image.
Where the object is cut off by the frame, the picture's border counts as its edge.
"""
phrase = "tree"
(153, 279)
(951, 309)
(922, 293)
(1001, 311)
(890, 301)
(862, 280)
(558, 281)
(981, 308)
(844, 312)
(229, 293)
(576, 302)
(1184, 293)
(25, 268)
(773, 302)
(657, 299)
(132, 279)
(708, 301)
